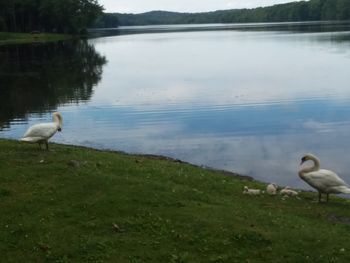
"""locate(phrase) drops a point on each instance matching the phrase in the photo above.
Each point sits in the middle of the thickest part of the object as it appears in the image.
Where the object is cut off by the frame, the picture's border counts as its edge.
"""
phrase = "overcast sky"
(139, 6)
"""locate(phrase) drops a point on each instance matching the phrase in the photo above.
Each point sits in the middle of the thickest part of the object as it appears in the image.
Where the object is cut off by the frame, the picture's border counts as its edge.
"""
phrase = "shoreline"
(166, 158)
(151, 157)
(173, 160)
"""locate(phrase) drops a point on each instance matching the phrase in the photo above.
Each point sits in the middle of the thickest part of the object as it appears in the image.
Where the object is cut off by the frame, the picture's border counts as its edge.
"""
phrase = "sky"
(139, 6)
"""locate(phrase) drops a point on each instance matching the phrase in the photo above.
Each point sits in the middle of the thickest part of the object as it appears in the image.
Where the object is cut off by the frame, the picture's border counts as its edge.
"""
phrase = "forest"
(58, 16)
(313, 10)
(74, 16)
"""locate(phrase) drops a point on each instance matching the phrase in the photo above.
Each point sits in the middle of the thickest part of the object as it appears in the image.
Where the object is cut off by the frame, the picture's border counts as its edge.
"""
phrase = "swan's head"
(308, 157)
(57, 117)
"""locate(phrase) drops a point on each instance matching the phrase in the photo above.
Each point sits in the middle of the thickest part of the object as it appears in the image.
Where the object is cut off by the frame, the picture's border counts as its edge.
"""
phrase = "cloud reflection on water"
(230, 68)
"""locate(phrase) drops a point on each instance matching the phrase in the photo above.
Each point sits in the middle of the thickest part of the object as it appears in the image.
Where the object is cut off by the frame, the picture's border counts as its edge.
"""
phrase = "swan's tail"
(34, 139)
(343, 189)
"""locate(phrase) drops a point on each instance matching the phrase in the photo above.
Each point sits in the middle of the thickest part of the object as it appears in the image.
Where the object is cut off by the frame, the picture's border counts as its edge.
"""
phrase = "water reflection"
(39, 78)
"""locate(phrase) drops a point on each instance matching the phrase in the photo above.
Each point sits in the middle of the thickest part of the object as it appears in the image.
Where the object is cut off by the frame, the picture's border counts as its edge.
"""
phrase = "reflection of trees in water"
(38, 78)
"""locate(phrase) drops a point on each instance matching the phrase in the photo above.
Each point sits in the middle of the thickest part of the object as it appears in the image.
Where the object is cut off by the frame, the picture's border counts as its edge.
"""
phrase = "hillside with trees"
(313, 10)
(60, 16)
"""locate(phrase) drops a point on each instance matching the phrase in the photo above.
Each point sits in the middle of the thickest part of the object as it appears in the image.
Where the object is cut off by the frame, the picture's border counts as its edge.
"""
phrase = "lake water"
(247, 99)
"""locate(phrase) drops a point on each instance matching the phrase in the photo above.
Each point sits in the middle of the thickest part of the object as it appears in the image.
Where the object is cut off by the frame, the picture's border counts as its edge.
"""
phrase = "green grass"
(22, 38)
(60, 206)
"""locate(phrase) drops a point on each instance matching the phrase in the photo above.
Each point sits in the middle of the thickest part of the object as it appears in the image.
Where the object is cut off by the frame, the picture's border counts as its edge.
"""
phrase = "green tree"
(66, 16)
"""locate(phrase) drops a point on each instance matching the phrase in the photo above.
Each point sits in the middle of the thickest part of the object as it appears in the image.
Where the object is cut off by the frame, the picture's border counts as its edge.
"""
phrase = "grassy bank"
(21, 38)
(75, 204)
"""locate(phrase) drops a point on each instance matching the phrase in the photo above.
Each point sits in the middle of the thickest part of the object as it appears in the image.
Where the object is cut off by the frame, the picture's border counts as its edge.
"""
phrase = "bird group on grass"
(271, 189)
(324, 181)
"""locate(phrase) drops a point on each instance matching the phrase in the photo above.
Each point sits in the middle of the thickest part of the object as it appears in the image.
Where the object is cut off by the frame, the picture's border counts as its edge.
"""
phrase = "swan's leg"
(327, 197)
(47, 145)
(39, 144)
(319, 197)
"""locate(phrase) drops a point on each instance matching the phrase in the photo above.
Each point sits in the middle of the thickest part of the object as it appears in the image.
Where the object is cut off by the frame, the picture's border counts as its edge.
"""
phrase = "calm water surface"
(250, 101)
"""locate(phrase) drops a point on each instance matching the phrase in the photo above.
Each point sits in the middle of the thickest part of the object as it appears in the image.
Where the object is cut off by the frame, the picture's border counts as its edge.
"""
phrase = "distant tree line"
(312, 10)
(107, 20)
(61, 16)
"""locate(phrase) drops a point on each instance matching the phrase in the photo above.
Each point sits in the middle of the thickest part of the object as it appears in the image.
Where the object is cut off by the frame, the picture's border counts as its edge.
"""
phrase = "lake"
(245, 98)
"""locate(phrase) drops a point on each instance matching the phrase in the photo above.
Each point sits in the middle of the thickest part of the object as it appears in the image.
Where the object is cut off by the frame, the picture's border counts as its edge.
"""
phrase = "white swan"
(42, 132)
(271, 189)
(288, 192)
(324, 181)
(248, 191)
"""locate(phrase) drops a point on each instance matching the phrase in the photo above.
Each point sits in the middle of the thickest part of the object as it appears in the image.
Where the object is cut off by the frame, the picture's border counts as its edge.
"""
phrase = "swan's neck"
(313, 168)
(57, 119)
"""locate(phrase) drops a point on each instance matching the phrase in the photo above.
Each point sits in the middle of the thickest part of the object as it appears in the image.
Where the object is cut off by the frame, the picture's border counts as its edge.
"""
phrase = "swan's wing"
(332, 178)
(42, 131)
(324, 180)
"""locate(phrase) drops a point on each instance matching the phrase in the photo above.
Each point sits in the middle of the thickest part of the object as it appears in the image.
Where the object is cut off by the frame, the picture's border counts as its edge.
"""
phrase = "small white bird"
(324, 181)
(248, 191)
(271, 189)
(42, 132)
(288, 192)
